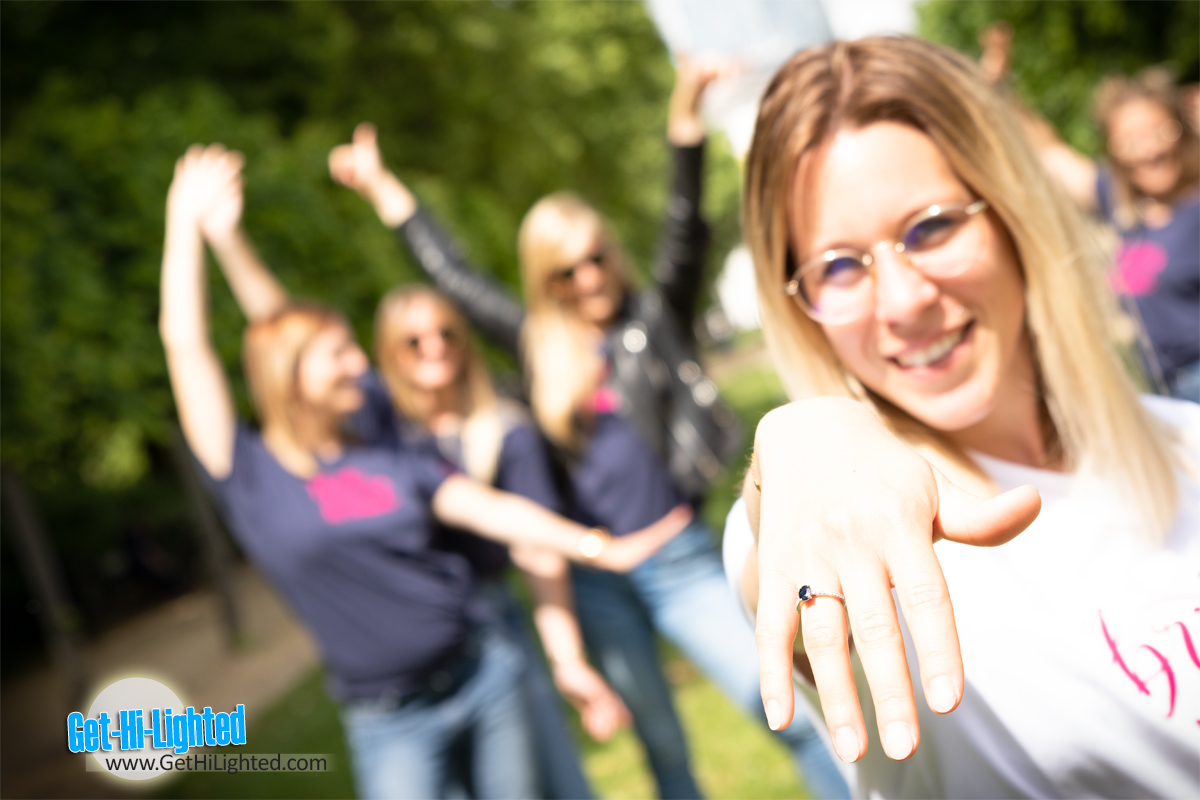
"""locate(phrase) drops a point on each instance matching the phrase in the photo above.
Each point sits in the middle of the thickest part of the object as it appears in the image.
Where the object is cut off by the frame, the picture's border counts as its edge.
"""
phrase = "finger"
(963, 517)
(824, 631)
(365, 134)
(341, 164)
(925, 600)
(775, 634)
(235, 161)
(880, 646)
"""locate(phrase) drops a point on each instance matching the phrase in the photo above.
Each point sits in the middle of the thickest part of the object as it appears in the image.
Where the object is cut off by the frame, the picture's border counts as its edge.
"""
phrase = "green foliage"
(482, 106)
(1061, 50)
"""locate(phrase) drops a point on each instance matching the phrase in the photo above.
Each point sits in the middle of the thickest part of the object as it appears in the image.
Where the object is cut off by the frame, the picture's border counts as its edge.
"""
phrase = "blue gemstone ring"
(807, 593)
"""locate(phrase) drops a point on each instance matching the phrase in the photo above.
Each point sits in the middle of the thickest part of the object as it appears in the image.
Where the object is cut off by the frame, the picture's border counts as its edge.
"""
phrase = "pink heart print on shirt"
(1138, 266)
(349, 494)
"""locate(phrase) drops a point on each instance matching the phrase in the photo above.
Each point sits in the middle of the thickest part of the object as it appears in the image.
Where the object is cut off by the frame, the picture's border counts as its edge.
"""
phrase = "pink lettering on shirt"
(605, 400)
(349, 494)
(1137, 268)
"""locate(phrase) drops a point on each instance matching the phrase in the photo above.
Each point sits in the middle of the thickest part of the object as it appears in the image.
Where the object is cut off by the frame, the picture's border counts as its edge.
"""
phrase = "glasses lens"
(944, 242)
(835, 286)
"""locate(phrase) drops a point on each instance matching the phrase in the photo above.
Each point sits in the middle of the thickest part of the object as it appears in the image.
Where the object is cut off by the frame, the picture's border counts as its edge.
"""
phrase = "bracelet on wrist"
(593, 543)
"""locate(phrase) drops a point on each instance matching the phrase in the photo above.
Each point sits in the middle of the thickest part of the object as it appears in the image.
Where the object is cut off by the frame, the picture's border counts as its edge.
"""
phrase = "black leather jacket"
(666, 395)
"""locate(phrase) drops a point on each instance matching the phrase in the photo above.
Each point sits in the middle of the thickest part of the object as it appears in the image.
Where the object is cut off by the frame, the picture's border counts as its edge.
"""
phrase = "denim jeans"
(1184, 382)
(407, 752)
(559, 772)
(681, 593)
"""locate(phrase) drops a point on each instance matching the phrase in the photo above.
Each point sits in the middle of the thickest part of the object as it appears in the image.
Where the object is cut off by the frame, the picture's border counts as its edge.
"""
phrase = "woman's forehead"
(865, 181)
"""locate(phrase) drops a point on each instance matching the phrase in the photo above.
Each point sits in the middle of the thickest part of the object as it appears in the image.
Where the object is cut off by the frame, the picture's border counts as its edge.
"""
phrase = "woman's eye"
(931, 232)
(842, 270)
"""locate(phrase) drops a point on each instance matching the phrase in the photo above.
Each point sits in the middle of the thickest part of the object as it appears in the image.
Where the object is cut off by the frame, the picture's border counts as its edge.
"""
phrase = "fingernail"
(847, 744)
(898, 741)
(774, 715)
(942, 696)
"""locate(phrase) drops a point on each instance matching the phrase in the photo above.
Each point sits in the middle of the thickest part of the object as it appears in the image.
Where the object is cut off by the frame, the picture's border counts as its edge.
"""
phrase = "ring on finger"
(808, 593)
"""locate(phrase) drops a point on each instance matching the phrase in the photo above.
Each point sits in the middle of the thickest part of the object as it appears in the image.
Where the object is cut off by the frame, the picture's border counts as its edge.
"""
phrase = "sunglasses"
(567, 274)
(451, 338)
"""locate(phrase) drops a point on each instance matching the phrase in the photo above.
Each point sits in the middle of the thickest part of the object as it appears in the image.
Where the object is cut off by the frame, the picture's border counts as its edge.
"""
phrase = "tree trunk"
(43, 573)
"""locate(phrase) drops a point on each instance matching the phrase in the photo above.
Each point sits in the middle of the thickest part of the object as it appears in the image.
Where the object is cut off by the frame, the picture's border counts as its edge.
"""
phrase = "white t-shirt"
(1081, 645)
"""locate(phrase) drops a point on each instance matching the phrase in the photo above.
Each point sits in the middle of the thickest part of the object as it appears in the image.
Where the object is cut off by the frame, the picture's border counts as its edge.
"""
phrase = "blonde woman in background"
(436, 402)
(927, 298)
(440, 389)
(637, 427)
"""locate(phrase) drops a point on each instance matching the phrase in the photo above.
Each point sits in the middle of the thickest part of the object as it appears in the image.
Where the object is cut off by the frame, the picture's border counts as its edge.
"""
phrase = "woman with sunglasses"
(616, 387)
(927, 296)
(344, 529)
(1149, 190)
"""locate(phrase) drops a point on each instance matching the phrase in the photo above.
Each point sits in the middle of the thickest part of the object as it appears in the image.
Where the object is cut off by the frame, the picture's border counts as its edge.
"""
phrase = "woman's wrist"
(686, 131)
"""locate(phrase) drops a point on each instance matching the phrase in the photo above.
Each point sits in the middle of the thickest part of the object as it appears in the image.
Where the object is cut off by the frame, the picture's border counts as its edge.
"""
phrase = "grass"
(732, 756)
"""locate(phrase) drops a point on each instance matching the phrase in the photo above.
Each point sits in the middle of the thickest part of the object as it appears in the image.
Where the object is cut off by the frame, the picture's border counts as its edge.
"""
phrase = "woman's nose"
(589, 277)
(902, 292)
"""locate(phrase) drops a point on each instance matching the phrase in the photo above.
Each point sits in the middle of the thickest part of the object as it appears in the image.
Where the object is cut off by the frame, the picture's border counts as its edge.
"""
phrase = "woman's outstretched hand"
(692, 76)
(846, 507)
(623, 553)
(359, 166)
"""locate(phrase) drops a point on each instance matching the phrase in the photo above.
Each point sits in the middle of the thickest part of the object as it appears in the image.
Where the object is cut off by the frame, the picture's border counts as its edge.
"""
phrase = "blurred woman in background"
(927, 295)
(616, 387)
(344, 529)
(1150, 192)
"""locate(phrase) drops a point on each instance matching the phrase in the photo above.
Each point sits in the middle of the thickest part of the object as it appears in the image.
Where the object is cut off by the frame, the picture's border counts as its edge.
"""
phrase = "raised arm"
(198, 380)
(488, 305)
(464, 503)
(1075, 173)
(840, 504)
(679, 263)
(258, 292)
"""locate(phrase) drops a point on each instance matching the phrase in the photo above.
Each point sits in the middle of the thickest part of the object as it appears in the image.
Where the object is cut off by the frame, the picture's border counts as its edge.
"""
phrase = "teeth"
(935, 352)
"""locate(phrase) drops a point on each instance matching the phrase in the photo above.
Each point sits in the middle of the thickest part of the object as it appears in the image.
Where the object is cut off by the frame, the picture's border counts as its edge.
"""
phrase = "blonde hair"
(484, 426)
(1157, 85)
(271, 353)
(563, 365)
(1093, 413)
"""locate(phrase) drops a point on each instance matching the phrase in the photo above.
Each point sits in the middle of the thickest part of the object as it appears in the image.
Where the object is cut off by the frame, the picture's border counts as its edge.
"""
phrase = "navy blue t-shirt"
(350, 550)
(523, 467)
(619, 483)
(1160, 269)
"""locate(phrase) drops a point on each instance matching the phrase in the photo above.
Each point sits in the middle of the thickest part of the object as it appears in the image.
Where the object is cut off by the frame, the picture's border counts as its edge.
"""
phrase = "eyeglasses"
(838, 286)
(451, 339)
(561, 277)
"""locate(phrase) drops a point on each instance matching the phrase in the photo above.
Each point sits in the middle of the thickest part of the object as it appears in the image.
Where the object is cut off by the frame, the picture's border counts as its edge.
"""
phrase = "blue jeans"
(1184, 382)
(681, 593)
(407, 752)
(559, 771)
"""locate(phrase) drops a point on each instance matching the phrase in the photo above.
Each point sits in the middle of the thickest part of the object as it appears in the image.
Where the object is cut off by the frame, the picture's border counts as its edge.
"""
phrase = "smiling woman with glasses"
(943, 339)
